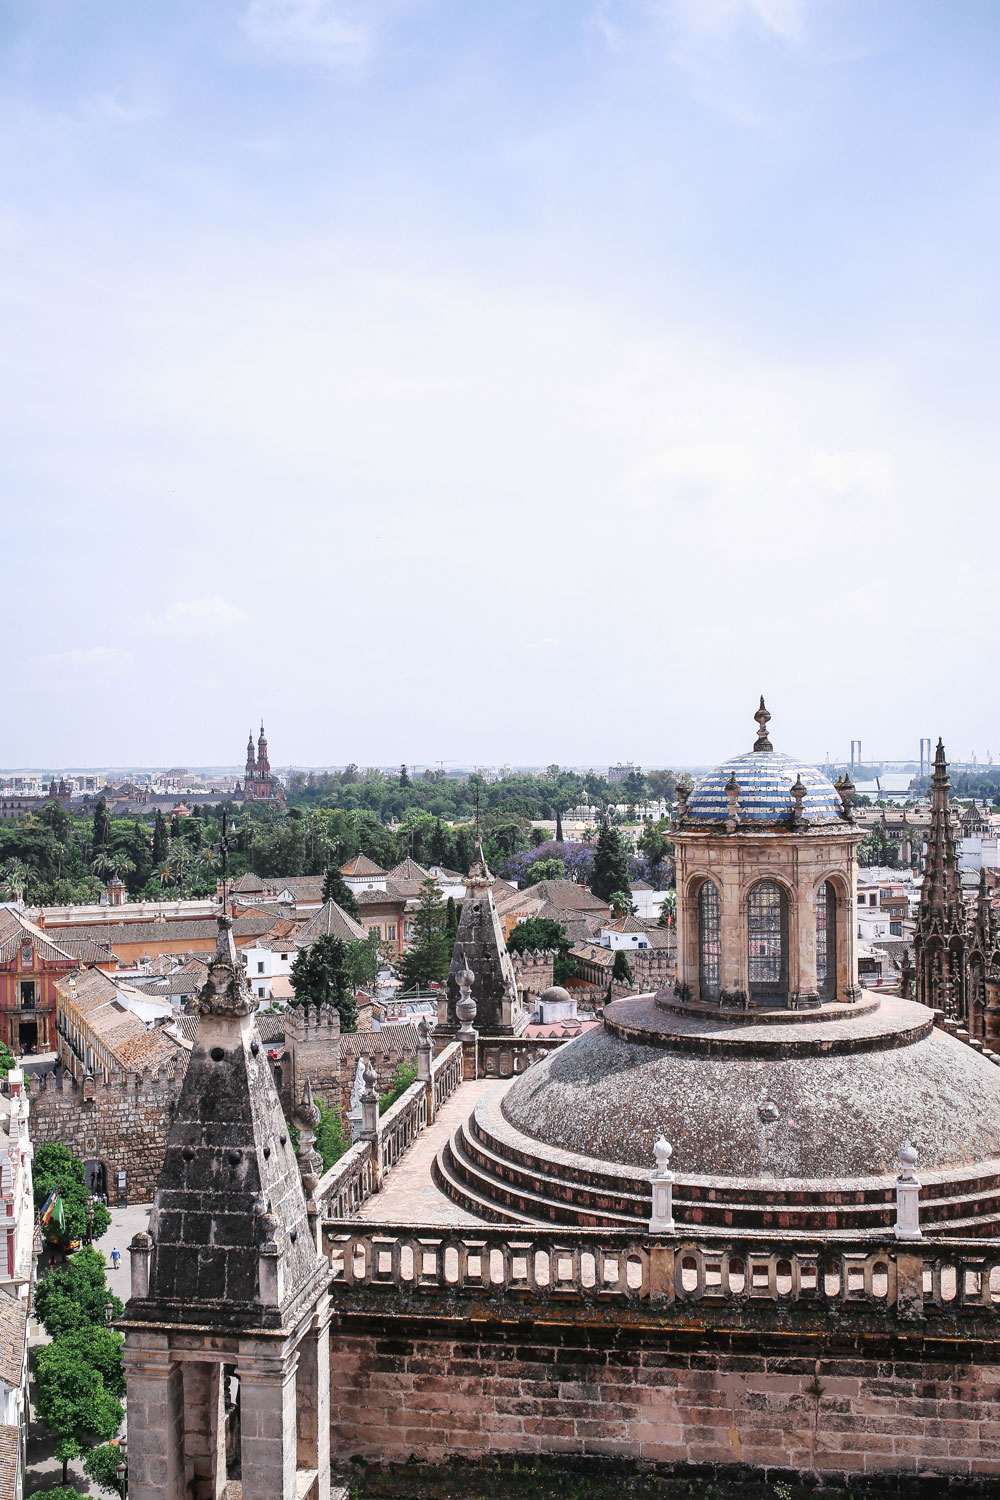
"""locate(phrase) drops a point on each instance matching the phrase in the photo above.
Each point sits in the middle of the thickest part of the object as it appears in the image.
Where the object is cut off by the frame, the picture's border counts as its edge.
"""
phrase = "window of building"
(28, 993)
(260, 968)
(390, 931)
(284, 958)
(260, 991)
(826, 941)
(709, 942)
(767, 922)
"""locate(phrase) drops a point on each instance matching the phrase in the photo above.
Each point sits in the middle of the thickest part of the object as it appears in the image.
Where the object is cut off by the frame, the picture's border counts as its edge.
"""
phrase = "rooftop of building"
(13, 1329)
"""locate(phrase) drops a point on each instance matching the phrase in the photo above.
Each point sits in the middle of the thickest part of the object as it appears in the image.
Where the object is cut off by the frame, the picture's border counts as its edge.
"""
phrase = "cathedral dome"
(765, 780)
(766, 785)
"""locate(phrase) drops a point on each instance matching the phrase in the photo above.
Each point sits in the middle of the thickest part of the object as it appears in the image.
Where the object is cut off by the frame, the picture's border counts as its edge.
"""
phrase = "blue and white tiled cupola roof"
(765, 780)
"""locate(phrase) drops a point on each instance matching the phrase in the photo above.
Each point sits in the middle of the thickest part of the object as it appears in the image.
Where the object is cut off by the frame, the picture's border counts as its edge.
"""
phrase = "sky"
(475, 382)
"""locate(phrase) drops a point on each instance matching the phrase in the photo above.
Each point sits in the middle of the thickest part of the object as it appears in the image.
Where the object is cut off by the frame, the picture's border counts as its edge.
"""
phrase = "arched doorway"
(767, 927)
(709, 942)
(826, 942)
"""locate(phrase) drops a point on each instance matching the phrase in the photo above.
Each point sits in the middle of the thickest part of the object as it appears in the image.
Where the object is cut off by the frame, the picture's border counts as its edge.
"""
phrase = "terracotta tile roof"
(564, 895)
(10, 1454)
(388, 897)
(15, 929)
(13, 1331)
(408, 869)
(361, 865)
(330, 918)
(193, 930)
(86, 949)
(123, 1032)
(399, 1036)
(593, 953)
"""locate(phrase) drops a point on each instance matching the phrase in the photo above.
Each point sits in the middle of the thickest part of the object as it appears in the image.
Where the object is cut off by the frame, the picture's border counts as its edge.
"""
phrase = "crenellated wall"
(122, 1124)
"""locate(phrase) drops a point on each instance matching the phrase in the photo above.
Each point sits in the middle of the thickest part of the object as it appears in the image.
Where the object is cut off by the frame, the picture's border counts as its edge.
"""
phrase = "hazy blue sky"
(536, 380)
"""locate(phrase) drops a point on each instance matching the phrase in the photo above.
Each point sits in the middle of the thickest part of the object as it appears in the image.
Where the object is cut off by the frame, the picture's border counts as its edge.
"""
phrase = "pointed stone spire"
(230, 1236)
(480, 949)
(939, 943)
(762, 716)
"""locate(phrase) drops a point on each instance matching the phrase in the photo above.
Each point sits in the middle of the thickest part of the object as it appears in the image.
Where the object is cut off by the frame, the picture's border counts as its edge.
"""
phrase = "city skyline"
(527, 373)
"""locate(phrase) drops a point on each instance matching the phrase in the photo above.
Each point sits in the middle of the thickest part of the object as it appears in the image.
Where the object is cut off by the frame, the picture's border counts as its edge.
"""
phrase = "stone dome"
(553, 993)
(765, 779)
(787, 1120)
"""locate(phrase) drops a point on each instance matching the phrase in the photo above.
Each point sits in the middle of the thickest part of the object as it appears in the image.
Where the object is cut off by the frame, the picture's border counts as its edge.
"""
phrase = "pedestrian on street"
(115, 1258)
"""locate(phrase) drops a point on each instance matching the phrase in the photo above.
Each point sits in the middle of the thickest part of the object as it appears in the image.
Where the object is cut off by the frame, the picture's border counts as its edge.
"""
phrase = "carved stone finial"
(466, 1007)
(845, 790)
(662, 1221)
(307, 1116)
(733, 790)
(762, 716)
(226, 991)
(799, 792)
(683, 788)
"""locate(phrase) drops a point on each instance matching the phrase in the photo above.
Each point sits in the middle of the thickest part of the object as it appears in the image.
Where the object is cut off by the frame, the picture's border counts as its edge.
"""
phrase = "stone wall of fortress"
(122, 1124)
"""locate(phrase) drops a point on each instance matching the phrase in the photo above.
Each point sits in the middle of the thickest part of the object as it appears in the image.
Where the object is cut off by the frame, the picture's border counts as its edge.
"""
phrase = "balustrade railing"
(446, 1073)
(349, 1183)
(401, 1122)
(618, 1265)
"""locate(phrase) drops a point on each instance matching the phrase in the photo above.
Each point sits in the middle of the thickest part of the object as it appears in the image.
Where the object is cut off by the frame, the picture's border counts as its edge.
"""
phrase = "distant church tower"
(258, 783)
(229, 1285)
(263, 765)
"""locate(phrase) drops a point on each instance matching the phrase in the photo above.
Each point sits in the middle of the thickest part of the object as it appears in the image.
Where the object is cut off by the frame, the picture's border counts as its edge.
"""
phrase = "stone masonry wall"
(808, 1405)
(123, 1125)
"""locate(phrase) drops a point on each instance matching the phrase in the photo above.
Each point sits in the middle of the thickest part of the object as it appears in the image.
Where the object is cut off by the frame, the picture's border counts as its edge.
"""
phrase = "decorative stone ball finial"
(683, 788)
(908, 1160)
(663, 1151)
(466, 1008)
(370, 1078)
(762, 716)
(662, 1221)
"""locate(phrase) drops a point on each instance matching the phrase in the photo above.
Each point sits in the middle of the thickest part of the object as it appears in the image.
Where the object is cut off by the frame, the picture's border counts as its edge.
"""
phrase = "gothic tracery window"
(709, 941)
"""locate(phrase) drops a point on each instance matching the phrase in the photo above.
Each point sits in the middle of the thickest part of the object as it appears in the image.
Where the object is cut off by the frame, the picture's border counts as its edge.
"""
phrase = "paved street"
(44, 1471)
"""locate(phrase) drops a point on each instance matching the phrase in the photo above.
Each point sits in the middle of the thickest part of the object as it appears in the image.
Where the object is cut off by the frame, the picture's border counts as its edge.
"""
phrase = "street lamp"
(109, 1312)
(122, 1472)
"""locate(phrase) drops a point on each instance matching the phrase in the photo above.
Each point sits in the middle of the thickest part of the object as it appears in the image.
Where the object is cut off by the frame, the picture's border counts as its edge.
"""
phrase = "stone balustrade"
(349, 1183)
(509, 1056)
(446, 1074)
(400, 1125)
(674, 1274)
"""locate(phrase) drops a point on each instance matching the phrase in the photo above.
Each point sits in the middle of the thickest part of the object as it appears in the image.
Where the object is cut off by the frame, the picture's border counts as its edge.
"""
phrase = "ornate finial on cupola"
(762, 716)
(844, 788)
(733, 790)
(799, 792)
(684, 788)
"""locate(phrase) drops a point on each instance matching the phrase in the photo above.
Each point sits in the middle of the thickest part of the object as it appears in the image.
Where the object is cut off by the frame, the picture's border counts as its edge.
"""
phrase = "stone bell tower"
(227, 1330)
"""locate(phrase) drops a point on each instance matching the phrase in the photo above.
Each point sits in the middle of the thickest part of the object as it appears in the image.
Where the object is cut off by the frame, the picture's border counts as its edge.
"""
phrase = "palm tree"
(113, 865)
(15, 876)
(175, 861)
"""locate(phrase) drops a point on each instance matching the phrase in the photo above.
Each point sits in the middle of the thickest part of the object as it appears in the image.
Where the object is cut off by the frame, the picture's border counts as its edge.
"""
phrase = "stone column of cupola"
(735, 967)
(802, 978)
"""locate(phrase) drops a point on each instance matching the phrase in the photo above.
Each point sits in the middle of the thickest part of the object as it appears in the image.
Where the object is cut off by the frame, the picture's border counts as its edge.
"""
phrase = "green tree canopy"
(545, 869)
(71, 1297)
(335, 888)
(56, 1167)
(72, 1400)
(321, 975)
(101, 1465)
(427, 959)
(611, 871)
(621, 969)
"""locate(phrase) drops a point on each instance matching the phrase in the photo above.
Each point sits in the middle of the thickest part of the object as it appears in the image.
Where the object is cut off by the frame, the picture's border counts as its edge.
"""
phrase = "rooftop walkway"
(408, 1195)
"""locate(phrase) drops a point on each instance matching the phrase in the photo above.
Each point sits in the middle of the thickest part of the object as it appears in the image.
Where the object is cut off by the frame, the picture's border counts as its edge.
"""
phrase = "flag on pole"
(53, 1211)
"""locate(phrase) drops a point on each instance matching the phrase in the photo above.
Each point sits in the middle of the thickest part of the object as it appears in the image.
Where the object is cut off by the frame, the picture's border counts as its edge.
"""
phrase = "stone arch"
(769, 904)
(708, 905)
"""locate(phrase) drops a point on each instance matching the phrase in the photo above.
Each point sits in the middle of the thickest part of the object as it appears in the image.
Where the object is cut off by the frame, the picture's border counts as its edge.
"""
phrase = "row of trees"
(79, 1377)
